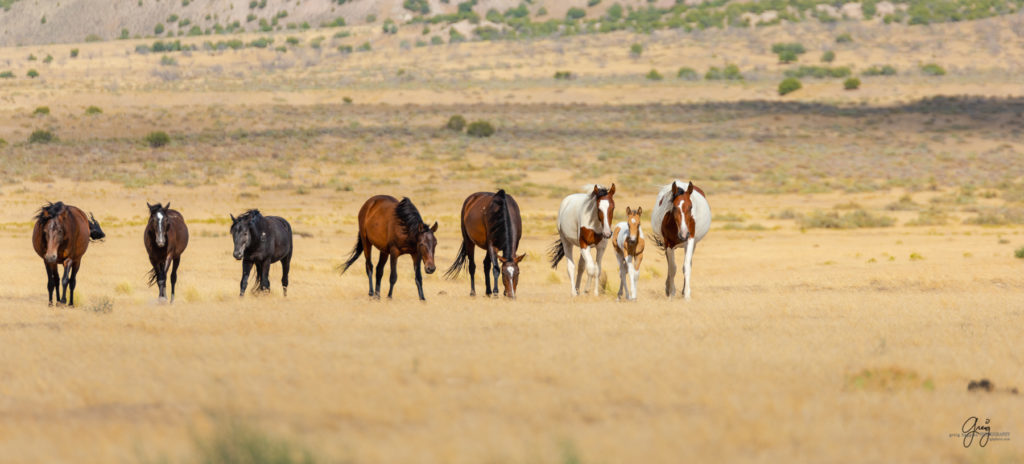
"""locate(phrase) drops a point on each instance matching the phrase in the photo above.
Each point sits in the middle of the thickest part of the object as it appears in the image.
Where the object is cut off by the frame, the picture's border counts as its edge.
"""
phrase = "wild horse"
(262, 240)
(165, 237)
(61, 235)
(491, 221)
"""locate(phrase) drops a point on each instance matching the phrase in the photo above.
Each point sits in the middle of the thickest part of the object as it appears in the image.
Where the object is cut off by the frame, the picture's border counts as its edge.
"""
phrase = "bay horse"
(61, 235)
(395, 228)
(165, 238)
(628, 241)
(584, 220)
(681, 217)
(492, 222)
(262, 240)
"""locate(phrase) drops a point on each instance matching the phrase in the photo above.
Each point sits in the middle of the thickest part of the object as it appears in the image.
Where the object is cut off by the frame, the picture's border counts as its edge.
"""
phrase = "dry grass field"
(859, 273)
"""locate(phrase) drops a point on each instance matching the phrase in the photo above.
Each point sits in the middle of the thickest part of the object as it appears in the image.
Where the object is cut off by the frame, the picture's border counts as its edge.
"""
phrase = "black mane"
(499, 224)
(408, 216)
(49, 211)
(154, 208)
(601, 191)
(249, 215)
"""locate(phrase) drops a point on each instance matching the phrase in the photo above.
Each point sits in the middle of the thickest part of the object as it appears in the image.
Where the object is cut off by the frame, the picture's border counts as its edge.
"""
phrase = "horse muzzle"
(50, 258)
(237, 255)
(430, 268)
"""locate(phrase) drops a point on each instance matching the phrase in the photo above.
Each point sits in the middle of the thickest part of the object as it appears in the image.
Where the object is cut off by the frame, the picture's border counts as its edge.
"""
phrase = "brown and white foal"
(628, 240)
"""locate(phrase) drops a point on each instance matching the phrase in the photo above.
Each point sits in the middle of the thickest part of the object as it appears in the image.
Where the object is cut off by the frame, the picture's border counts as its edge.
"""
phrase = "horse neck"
(588, 213)
(509, 250)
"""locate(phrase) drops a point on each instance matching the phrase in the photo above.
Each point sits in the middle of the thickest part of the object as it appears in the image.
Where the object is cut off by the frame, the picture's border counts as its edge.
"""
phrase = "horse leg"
(265, 276)
(380, 271)
(367, 251)
(286, 264)
(394, 272)
(601, 246)
(495, 270)
(622, 272)
(174, 275)
(74, 281)
(487, 272)
(589, 266)
(52, 281)
(570, 266)
(161, 278)
(470, 251)
(670, 280)
(688, 266)
(633, 277)
(66, 280)
(246, 267)
(419, 276)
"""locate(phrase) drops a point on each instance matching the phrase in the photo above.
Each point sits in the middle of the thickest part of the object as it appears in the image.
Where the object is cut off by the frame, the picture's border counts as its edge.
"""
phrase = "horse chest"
(589, 237)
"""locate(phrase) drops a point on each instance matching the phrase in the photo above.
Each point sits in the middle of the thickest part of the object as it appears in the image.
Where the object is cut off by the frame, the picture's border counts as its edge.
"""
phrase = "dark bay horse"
(491, 221)
(395, 228)
(262, 240)
(165, 237)
(61, 235)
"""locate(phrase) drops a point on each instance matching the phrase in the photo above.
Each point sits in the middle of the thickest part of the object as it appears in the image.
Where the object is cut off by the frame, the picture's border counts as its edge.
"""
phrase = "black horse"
(262, 240)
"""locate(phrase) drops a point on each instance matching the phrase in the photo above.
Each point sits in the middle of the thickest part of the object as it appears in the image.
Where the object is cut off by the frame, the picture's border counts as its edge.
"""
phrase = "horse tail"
(356, 251)
(95, 232)
(151, 275)
(557, 252)
(460, 262)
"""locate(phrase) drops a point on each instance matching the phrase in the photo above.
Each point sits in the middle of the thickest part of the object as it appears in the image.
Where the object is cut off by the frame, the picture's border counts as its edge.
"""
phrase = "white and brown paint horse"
(584, 220)
(628, 241)
(681, 217)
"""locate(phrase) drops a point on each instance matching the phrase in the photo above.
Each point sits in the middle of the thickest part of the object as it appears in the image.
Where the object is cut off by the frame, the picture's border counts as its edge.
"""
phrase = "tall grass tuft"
(235, 443)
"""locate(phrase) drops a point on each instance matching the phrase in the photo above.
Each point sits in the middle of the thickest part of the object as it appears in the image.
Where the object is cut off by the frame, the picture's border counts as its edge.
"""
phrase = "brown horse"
(166, 237)
(491, 221)
(395, 228)
(61, 235)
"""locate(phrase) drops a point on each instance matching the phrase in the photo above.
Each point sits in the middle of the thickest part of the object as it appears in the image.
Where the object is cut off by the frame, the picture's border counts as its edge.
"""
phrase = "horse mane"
(601, 190)
(499, 222)
(408, 216)
(248, 215)
(50, 210)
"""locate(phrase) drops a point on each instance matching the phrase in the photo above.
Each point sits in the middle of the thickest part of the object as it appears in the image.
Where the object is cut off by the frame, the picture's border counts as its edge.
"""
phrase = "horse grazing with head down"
(681, 216)
(584, 220)
(395, 228)
(261, 240)
(60, 236)
(628, 241)
(491, 221)
(165, 237)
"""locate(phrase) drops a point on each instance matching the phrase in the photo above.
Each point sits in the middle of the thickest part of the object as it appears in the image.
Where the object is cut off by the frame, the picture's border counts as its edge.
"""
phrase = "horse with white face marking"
(584, 220)
(628, 241)
(681, 217)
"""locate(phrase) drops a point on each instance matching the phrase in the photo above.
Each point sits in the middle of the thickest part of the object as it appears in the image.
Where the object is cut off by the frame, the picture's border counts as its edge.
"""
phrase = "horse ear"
(629, 212)
(502, 259)
(433, 228)
(233, 220)
(639, 210)
(520, 258)
(689, 188)
(596, 190)
(611, 191)
(168, 205)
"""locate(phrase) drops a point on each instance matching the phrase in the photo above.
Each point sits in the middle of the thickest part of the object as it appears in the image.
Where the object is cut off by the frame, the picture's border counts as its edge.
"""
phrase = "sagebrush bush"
(851, 83)
(480, 129)
(93, 110)
(932, 69)
(819, 72)
(687, 74)
(1019, 253)
(732, 72)
(885, 70)
(789, 85)
(636, 50)
(456, 123)
(7, 75)
(41, 136)
(32, 73)
(852, 220)
(654, 75)
(42, 110)
(564, 75)
(844, 38)
(828, 57)
(157, 139)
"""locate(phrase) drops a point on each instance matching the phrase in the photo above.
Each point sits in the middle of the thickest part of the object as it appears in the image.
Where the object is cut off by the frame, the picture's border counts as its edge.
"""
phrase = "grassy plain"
(800, 344)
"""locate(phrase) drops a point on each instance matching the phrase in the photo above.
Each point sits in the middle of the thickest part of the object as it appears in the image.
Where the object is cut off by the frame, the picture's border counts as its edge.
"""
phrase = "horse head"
(243, 229)
(605, 208)
(682, 209)
(158, 218)
(510, 274)
(633, 221)
(425, 245)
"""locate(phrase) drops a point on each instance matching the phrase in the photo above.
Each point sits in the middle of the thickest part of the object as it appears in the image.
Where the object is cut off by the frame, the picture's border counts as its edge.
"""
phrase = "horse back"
(281, 234)
(474, 217)
(177, 232)
(377, 222)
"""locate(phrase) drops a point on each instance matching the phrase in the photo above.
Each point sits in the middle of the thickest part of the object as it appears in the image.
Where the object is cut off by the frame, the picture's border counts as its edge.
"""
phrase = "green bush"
(932, 69)
(417, 6)
(292, 40)
(41, 136)
(41, 111)
(789, 85)
(787, 56)
(788, 52)
(828, 57)
(347, 100)
(456, 123)
(365, 47)
(345, 48)
(654, 75)
(74, 53)
(564, 75)
(819, 72)
(480, 129)
(7, 75)
(1019, 253)
(32, 73)
(886, 70)
(575, 13)
(844, 38)
(157, 139)
(436, 40)
(389, 27)
(852, 220)
(636, 50)
(687, 74)
(851, 83)
(48, 59)
(713, 74)
(168, 60)
(732, 73)
(232, 442)
(93, 110)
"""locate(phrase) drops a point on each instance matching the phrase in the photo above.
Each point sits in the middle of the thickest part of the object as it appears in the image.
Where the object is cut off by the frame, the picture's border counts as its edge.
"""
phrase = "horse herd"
(681, 217)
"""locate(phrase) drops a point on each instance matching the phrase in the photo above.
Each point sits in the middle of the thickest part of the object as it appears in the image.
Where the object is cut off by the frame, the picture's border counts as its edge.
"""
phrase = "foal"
(628, 240)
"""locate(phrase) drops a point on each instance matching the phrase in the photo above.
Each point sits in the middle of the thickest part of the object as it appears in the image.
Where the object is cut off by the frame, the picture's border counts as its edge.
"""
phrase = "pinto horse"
(491, 221)
(628, 241)
(395, 228)
(584, 220)
(681, 216)
(61, 235)
(165, 237)
(262, 240)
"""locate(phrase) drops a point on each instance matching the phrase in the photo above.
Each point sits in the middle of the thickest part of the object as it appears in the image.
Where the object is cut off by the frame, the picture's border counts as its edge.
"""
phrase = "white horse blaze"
(603, 206)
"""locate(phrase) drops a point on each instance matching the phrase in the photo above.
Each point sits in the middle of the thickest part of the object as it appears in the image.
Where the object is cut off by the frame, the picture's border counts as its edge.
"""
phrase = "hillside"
(25, 22)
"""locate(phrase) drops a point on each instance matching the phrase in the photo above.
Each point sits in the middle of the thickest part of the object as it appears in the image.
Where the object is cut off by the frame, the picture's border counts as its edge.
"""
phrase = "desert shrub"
(885, 70)
(93, 38)
(731, 72)
(345, 48)
(93, 110)
(844, 38)
(713, 74)
(855, 219)
(593, 2)
(32, 57)
(41, 111)
(234, 443)
(436, 40)
(125, 34)
(365, 47)
(932, 69)
(636, 50)
(48, 59)
(1019, 253)
(292, 40)
(480, 129)
(168, 60)
(575, 13)
(41, 136)
(819, 72)
(688, 74)
(654, 75)
(74, 53)
(7, 75)
(32, 73)
(788, 52)
(905, 203)
(998, 216)
(389, 26)
(371, 18)
(157, 139)
(851, 83)
(456, 123)
(789, 85)
(564, 75)
(102, 305)
(347, 100)
(930, 217)
(315, 42)
(828, 57)
(787, 56)
(417, 6)
(262, 42)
